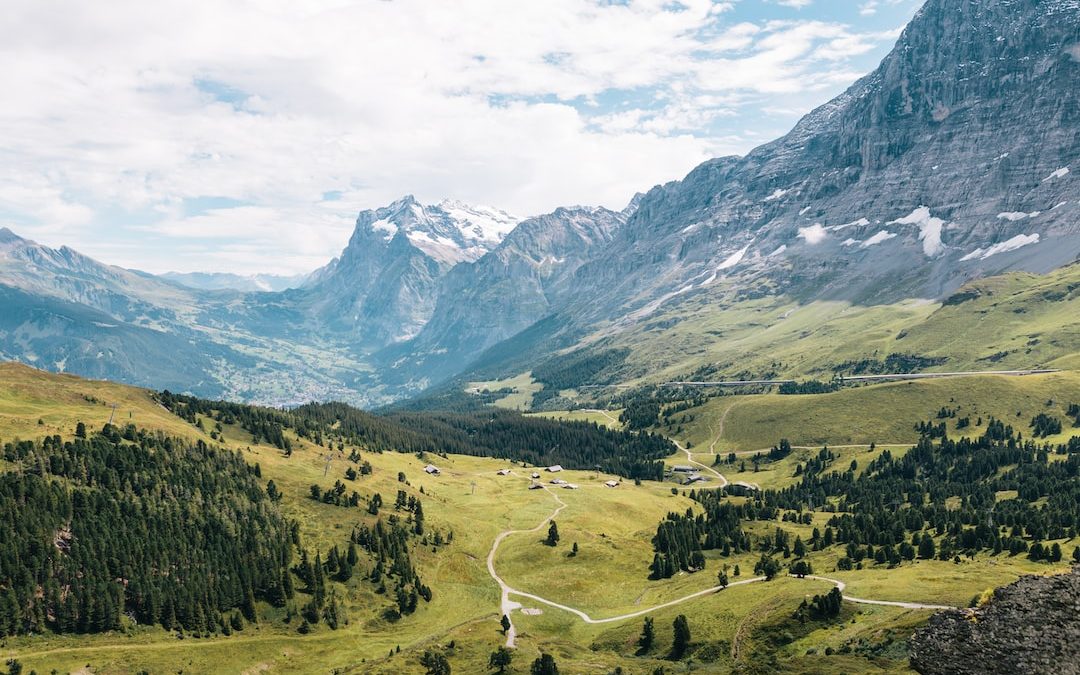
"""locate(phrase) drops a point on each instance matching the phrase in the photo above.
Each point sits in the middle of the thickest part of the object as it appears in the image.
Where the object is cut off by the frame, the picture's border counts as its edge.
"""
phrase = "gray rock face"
(956, 158)
(506, 291)
(383, 288)
(1029, 627)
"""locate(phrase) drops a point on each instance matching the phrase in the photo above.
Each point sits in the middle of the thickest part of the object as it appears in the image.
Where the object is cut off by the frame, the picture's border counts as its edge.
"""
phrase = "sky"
(245, 135)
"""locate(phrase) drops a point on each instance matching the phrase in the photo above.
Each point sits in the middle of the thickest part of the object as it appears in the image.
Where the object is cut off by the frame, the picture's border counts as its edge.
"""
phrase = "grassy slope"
(880, 413)
(608, 577)
(1012, 321)
(1027, 320)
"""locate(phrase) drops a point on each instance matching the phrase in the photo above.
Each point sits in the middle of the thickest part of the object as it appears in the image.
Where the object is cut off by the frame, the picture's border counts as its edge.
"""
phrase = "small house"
(503, 472)
(432, 469)
(535, 474)
(683, 468)
(558, 481)
(570, 486)
(536, 486)
(694, 478)
(612, 483)
(554, 468)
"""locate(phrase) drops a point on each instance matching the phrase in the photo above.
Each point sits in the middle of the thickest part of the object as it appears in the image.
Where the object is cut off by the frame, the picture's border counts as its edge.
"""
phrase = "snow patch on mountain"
(815, 234)
(929, 229)
(734, 259)
(883, 235)
(1060, 173)
(485, 223)
(450, 232)
(1016, 242)
(855, 223)
(776, 195)
(1013, 216)
(386, 227)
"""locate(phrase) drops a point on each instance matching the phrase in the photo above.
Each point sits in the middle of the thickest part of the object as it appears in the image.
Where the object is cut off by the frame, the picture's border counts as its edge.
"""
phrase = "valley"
(813, 407)
(606, 582)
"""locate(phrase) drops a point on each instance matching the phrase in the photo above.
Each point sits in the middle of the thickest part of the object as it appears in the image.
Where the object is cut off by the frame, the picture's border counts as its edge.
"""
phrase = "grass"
(605, 418)
(608, 577)
(880, 413)
(522, 387)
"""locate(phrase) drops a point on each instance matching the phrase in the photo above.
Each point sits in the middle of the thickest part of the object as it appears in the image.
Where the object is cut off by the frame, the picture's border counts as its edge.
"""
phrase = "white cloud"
(120, 115)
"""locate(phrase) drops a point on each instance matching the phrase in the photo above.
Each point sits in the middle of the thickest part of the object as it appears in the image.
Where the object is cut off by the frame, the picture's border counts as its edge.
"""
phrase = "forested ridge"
(996, 493)
(487, 433)
(170, 532)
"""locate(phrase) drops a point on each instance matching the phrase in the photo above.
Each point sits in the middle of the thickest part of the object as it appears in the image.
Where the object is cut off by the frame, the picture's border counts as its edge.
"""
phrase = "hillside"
(464, 509)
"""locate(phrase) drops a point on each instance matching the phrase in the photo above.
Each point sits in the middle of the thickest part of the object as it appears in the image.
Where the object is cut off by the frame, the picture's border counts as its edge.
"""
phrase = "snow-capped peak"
(449, 232)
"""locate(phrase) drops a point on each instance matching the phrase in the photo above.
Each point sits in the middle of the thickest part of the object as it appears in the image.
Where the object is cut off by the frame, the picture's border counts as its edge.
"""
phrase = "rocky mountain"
(515, 285)
(245, 283)
(958, 157)
(383, 287)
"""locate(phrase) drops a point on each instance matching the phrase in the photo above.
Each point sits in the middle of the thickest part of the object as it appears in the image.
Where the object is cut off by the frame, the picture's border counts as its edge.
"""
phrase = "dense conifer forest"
(488, 433)
(129, 522)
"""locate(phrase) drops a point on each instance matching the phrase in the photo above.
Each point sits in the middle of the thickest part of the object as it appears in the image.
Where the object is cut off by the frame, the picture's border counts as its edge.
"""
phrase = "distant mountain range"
(958, 158)
(225, 281)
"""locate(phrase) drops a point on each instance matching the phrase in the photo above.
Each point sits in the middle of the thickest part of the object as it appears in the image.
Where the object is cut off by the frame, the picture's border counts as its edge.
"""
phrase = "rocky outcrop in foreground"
(1031, 626)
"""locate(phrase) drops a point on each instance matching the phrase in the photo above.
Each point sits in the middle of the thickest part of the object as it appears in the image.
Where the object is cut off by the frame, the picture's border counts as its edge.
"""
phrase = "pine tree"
(500, 659)
(647, 637)
(926, 547)
(552, 535)
(544, 665)
(681, 637)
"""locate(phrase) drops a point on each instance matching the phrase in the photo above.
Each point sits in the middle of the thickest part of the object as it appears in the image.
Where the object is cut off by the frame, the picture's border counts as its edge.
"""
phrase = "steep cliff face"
(383, 288)
(506, 291)
(956, 158)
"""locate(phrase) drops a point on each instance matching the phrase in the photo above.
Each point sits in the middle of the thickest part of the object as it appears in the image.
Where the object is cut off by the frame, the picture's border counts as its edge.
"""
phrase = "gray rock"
(1031, 627)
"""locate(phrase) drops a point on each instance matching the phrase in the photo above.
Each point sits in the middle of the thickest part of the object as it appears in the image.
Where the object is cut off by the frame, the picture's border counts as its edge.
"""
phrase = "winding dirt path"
(507, 606)
(605, 413)
(714, 472)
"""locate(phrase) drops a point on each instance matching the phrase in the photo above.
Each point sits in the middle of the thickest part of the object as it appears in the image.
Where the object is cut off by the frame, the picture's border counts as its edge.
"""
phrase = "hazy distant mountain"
(245, 283)
(506, 291)
(383, 287)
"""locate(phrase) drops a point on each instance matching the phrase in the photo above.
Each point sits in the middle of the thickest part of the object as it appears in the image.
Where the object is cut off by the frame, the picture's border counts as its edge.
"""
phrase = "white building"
(555, 468)
(432, 469)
